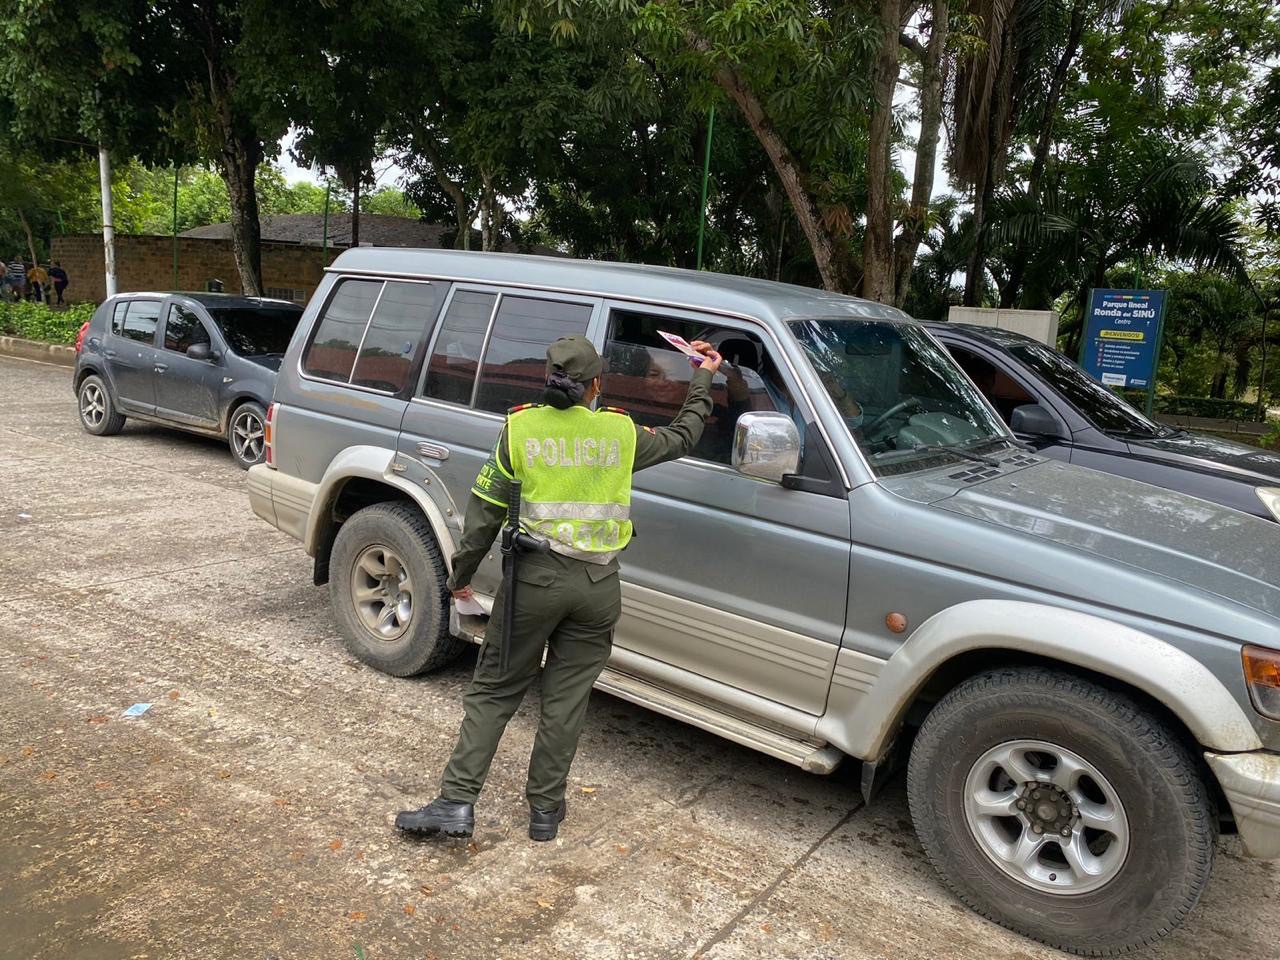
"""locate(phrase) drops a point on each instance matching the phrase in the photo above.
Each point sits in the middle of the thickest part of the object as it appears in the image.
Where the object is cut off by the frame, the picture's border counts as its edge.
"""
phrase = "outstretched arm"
(656, 445)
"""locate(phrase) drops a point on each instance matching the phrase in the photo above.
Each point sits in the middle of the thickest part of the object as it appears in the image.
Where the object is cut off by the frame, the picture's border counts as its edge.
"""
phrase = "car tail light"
(268, 436)
(1262, 676)
(84, 328)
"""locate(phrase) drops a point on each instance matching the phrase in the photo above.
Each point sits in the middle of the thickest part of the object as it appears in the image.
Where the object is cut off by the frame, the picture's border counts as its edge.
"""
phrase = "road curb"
(58, 353)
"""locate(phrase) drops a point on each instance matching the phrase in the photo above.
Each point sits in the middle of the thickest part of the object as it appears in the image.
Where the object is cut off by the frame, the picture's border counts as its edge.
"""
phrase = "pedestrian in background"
(570, 598)
(17, 274)
(60, 279)
(38, 282)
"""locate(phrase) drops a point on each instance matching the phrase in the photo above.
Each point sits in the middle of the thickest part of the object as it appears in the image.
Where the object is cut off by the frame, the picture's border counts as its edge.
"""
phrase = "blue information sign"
(1121, 337)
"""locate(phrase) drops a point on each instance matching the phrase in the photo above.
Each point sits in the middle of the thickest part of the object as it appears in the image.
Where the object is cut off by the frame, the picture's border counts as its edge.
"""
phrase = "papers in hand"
(469, 608)
(681, 344)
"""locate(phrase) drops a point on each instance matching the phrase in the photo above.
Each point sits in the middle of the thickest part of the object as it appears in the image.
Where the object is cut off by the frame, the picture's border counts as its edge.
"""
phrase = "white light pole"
(108, 229)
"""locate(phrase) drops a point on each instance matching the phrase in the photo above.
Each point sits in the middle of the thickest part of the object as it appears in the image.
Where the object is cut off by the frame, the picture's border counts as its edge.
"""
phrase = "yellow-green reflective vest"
(574, 467)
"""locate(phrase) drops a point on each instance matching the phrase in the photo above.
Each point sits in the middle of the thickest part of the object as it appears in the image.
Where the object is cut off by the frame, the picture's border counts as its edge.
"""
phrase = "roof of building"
(702, 290)
(376, 229)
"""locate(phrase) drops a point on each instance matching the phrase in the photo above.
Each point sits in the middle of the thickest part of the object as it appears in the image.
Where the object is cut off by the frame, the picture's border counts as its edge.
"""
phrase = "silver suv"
(858, 560)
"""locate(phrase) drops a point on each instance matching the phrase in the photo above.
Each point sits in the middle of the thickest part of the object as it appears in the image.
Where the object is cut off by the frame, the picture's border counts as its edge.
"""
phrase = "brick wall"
(146, 263)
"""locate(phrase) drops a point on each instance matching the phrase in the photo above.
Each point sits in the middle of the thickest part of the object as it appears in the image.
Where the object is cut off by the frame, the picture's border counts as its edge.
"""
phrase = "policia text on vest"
(574, 466)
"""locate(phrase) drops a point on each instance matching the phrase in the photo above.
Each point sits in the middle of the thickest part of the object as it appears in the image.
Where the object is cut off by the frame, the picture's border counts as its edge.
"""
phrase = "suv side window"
(117, 317)
(515, 360)
(331, 354)
(455, 358)
(183, 329)
(404, 316)
(649, 379)
(140, 320)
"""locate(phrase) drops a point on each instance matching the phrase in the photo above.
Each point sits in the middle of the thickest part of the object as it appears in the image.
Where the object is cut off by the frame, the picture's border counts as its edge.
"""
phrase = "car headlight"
(1262, 676)
(1270, 497)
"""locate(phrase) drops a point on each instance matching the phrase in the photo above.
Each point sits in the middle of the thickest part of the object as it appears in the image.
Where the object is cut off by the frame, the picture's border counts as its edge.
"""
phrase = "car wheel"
(98, 414)
(246, 434)
(387, 586)
(1062, 810)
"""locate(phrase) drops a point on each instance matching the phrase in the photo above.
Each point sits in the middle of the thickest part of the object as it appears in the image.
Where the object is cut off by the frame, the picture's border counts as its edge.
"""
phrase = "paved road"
(248, 814)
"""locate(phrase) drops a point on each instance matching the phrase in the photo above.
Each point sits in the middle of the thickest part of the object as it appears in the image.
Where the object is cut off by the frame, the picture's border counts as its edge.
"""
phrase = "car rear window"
(257, 331)
(370, 332)
(140, 320)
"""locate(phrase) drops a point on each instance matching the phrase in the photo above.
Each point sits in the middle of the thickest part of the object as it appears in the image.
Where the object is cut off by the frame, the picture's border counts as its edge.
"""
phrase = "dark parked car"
(202, 362)
(1053, 404)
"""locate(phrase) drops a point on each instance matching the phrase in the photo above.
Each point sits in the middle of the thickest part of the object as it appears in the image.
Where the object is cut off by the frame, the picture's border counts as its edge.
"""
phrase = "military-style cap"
(576, 358)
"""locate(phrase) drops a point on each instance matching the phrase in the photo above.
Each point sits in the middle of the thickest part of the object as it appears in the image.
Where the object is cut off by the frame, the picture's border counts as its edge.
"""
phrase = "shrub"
(35, 321)
(1207, 407)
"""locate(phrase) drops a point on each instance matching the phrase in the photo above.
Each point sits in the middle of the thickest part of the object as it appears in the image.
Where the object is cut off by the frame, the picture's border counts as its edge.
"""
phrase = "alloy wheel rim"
(1046, 817)
(248, 435)
(383, 593)
(93, 407)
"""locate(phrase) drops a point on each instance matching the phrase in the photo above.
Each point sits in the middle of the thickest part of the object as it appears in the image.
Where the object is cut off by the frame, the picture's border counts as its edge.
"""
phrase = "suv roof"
(701, 290)
(227, 300)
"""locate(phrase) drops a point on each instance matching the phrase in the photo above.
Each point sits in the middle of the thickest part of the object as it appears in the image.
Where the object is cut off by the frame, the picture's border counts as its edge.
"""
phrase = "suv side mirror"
(1034, 420)
(200, 351)
(766, 446)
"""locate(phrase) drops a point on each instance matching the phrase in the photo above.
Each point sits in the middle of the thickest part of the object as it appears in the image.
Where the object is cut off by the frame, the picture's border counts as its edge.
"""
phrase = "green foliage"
(1206, 407)
(35, 321)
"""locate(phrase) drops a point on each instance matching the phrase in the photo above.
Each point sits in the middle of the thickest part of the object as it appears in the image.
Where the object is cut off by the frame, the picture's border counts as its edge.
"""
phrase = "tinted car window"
(332, 353)
(649, 379)
(455, 357)
(1107, 411)
(257, 331)
(182, 329)
(1005, 393)
(404, 315)
(117, 317)
(141, 319)
(515, 362)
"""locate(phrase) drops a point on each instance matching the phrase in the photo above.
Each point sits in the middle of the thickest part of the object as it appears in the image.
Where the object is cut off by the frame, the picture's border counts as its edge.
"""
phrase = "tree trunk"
(239, 156)
(355, 207)
(31, 242)
(832, 266)
(1040, 155)
(240, 162)
(932, 80)
(877, 244)
(461, 209)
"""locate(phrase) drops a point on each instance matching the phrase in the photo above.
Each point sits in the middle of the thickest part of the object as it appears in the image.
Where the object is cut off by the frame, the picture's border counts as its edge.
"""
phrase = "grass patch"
(35, 321)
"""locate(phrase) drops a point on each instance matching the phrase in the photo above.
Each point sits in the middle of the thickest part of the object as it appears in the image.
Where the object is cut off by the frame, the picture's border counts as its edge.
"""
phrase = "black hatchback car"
(201, 362)
(1053, 404)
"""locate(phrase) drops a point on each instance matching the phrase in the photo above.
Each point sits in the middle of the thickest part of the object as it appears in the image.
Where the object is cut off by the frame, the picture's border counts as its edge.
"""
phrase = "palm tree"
(1141, 202)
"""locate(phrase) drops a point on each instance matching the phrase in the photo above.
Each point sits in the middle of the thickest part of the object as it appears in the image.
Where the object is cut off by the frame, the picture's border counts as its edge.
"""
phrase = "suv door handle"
(109, 354)
(436, 451)
(161, 367)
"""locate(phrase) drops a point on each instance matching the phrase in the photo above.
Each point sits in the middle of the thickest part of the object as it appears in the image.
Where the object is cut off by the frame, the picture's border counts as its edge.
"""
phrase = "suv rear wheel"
(1061, 810)
(387, 585)
(98, 414)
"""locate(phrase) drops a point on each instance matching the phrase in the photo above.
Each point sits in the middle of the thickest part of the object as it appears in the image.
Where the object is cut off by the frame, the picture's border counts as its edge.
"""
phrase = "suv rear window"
(370, 332)
(513, 341)
(515, 362)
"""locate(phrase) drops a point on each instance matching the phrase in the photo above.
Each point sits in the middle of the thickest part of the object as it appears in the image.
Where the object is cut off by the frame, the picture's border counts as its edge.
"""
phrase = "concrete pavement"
(248, 813)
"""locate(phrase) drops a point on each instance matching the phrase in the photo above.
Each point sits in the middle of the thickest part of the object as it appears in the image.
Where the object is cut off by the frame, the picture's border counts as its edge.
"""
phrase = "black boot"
(545, 824)
(450, 817)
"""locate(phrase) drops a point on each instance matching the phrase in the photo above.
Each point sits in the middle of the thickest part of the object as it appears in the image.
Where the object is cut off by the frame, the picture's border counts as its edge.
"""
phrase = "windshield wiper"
(889, 456)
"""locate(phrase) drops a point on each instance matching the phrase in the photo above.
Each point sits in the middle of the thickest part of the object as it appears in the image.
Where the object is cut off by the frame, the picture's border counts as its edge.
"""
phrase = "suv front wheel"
(1062, 810)
(387, 586)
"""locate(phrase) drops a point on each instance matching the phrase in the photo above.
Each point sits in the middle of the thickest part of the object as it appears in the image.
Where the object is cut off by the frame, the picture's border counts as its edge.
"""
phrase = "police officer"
(575, 468)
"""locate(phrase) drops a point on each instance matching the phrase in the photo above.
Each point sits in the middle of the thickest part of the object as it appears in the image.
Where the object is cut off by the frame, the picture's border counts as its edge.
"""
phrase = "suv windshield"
(902, 396)
(257, 331)
(1108, 412)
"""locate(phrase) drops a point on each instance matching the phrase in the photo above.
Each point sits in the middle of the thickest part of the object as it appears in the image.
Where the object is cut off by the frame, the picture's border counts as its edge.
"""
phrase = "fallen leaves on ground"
(767, 927)
(356, 915)
(335, 845)
(173, 694)
(588, 789)
(426, 891)
(622, 849)
(49, 775)
(545, 904)
(98, 719)
(410, 909)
